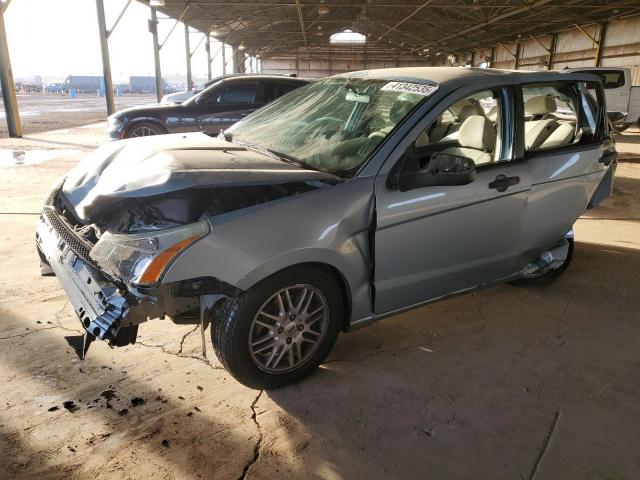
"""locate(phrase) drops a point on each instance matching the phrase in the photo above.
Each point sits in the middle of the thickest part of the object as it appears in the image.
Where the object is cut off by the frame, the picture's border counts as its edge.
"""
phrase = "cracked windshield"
(333, 125)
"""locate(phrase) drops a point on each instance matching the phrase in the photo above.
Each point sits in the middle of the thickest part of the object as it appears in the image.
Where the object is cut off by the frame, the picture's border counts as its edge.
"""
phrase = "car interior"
(471, 127)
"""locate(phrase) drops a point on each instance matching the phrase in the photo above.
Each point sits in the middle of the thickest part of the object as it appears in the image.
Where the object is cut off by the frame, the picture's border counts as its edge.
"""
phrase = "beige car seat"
(563, 135)
(477, 138)
(540, 127)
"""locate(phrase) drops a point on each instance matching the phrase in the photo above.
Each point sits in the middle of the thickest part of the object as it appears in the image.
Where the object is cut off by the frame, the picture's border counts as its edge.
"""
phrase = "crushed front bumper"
(100, 305)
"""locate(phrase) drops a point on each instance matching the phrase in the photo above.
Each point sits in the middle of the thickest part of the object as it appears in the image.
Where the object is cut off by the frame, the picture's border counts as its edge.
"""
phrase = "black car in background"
(217, 107)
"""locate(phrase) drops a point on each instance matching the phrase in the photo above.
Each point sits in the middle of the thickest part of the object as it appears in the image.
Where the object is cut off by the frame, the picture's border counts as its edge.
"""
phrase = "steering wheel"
(304, 132)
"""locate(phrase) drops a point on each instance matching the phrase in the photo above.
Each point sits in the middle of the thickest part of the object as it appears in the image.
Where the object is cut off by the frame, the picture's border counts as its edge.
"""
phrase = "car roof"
(260, 76)
(444, 75)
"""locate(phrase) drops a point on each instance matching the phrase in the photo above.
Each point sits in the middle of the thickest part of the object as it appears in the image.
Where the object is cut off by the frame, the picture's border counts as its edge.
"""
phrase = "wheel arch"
(136, 120)
(333, 271)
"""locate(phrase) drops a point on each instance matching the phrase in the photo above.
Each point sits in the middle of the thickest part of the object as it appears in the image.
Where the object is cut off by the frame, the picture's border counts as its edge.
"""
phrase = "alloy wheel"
(288, 328)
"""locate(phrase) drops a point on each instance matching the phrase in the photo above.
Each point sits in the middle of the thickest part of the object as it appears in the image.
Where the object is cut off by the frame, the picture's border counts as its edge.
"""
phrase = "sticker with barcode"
(408, 87)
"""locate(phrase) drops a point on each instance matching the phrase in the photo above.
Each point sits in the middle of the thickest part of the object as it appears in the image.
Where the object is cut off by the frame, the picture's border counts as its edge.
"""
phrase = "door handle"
(502, 182)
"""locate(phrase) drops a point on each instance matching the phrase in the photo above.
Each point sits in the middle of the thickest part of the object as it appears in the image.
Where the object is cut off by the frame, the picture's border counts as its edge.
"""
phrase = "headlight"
(114, 120)
(143, 258)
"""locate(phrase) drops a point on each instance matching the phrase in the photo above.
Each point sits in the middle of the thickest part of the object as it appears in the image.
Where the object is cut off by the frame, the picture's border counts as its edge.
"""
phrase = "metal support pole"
(207, 48)
(600, 44)
(493, 57)
(517, 55)
(6, 79)
(187, 49)
(224, 58)
(153, 28)
(473, 58)
(552, 51)
(106, 64)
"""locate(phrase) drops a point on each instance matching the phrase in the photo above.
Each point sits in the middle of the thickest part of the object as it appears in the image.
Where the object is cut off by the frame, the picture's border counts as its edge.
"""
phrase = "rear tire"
(266, 338)
(552, 275)
(144, 129)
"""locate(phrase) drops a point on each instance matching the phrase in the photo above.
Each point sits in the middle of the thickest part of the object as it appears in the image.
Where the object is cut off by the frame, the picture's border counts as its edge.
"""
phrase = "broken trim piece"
(99, 304)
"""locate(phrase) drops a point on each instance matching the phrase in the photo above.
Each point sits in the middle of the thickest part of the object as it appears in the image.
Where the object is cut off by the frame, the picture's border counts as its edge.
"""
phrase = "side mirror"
(443, 169)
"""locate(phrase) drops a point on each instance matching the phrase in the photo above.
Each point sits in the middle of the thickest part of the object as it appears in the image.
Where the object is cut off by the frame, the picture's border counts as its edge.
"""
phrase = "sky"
(56, 38)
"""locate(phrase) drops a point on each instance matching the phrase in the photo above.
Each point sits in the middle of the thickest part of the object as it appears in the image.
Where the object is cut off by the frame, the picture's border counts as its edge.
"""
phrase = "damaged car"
(349, 200)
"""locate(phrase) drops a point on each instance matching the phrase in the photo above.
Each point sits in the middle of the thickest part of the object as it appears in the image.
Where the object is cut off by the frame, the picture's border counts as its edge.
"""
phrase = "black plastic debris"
(70, 405)
(53, 409)
(137, 401)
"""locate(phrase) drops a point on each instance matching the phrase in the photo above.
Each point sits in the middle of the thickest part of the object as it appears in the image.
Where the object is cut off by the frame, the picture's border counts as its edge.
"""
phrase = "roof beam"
(184, 11)
(425, 4)
(492, 20)
(301, 18)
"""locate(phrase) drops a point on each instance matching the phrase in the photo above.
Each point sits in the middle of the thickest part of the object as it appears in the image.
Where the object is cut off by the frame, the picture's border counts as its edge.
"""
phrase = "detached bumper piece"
(98, 302)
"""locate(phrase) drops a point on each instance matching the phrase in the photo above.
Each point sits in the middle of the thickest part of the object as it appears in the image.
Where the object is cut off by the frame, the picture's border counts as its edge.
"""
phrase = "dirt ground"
(41, 112)
(508, 383)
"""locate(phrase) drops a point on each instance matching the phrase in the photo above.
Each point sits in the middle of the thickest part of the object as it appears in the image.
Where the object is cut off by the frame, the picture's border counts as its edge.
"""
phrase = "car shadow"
(458, 388)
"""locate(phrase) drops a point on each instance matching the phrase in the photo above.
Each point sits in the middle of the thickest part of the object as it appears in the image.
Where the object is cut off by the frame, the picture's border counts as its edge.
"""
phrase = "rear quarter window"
(610, 78)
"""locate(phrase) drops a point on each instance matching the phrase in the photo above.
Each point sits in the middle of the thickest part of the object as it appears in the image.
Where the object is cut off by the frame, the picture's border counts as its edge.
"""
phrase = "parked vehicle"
(620, 93)
(28, 84)
(218, 106)
(183, 95)
(82, 83)
(339, 204)
(53, 88)
(145, 85)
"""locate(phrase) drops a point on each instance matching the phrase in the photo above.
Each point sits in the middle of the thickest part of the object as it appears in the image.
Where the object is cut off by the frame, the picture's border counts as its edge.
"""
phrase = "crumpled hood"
(156, 165)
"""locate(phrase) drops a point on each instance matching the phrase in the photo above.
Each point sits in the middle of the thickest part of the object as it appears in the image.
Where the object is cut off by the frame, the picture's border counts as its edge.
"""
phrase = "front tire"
(143, 129)
(280, 330)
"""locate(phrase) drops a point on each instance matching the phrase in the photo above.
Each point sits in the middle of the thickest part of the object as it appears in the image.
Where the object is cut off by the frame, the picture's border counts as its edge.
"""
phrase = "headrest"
(423, 139)
(467, 111)
(477, 132)
(539, 105)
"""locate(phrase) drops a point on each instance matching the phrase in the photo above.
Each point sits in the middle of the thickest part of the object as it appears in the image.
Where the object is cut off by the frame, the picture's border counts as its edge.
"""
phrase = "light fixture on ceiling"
(156, 3)
(241, 46)
(323, 10)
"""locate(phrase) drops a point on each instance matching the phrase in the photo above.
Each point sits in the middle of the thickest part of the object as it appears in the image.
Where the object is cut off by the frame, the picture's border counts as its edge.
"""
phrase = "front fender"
(328, 226)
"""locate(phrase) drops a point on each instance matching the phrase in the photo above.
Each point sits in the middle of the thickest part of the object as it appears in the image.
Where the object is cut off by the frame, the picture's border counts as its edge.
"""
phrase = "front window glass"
(239, 93)
(332, 125)
(470, 127)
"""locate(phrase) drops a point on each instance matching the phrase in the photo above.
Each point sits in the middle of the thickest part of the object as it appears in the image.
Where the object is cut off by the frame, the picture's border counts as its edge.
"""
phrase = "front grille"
(79, 246)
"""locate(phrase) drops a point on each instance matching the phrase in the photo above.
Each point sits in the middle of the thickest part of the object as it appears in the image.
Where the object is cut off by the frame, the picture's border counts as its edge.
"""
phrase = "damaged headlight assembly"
(142, 258)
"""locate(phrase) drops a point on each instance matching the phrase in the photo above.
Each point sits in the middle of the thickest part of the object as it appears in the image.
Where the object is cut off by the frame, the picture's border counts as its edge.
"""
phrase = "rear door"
(565, 171)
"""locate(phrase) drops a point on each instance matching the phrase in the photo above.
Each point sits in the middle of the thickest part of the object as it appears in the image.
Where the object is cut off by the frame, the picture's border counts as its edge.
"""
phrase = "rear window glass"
(610, 78)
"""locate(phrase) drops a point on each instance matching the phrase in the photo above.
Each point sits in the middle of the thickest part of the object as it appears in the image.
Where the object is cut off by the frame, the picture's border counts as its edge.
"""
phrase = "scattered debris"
(199, 387)
(70, 405)
(54, 408)
(109, 393)
(165, 443)
(180, 397)
(137, 401)
(71, 449)
(190, 414)
(123, 411)
(197, 409)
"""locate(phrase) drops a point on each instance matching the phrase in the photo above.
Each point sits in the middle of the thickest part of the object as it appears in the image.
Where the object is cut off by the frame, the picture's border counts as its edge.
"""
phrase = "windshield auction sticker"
(407, 87)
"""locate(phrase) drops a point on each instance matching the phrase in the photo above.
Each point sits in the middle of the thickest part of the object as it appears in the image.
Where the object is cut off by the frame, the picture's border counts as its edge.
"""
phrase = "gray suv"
(345, 201)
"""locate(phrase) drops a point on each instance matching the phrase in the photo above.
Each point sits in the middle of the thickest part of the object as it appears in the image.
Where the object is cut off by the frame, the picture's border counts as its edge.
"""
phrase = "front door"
(226, 105)
(438, 240)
